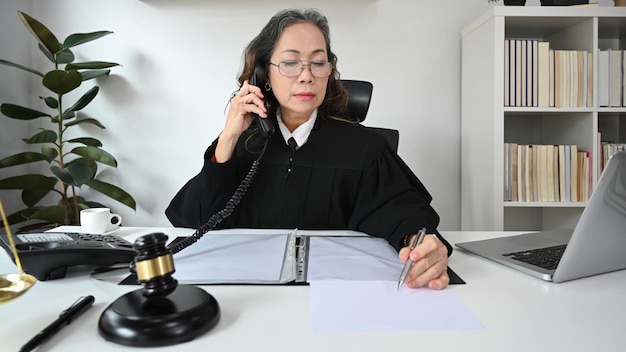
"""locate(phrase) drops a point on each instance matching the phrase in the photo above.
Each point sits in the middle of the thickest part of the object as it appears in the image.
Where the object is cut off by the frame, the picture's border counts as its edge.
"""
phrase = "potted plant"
(70, 169)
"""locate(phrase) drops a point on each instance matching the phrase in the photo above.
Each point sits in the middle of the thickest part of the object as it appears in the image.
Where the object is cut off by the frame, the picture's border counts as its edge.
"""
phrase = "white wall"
(180, 60)
(14, 88)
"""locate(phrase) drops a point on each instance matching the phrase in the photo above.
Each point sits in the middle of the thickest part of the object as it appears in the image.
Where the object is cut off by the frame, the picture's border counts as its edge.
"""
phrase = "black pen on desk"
(67, 316)
(409, 263)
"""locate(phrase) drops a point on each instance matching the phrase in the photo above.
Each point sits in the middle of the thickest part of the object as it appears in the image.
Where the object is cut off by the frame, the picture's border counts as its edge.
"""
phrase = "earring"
(267, 86)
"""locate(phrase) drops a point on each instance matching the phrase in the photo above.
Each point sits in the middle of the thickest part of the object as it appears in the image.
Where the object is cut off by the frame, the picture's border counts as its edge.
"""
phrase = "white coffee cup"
(99, 220)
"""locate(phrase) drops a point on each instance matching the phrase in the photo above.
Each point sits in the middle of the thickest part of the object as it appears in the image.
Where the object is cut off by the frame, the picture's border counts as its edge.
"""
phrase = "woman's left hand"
(430, 266)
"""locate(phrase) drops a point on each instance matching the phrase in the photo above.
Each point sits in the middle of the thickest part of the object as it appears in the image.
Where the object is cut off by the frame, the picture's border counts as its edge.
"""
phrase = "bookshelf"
(487, 124)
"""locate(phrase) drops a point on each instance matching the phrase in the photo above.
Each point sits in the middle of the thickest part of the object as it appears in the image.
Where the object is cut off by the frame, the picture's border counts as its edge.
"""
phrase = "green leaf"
(88, 141)
(79, 199)
(16, 217)
(51, 102)
(93, 167)
(81, 171)
(21, 113)
(22, 158)
(90, 65)
(49, 151)
(76, 173)
(86, 120)
(30, 197)
(52, 213)
(12, 64)
(46, 53)
(114, 192)
(28, 181)
(62, 174)
(41, 32)
(81, 38)
(45, 136)
(96, 154)
(65, 57)
(92, 204)
(62, 82)
(68, 115)
(30, 211)
(89, 74)
(85, 99)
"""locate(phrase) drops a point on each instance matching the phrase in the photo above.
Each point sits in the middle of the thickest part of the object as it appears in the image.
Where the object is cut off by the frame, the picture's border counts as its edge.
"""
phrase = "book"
(551, 97)
(558, 80)
(555, 173)
(549, 173)
(518, 72)
(568, 173)
(523, 73)
(574, 74)
(581, 79)
(535, 175)
(543, 74)
(527, 173)
(534, 73)
(589, 81)
(507, 72)
(507, 167)
(615, 78)
(603, 78)
(543, 173)
(567, 78)
(581, 172)
(561, 166)
(588, 175)
(574, 173)
(520, 173)
(513, 172)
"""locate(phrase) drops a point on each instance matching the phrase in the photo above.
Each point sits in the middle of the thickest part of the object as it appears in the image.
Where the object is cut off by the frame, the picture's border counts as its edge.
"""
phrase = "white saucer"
(101, 233)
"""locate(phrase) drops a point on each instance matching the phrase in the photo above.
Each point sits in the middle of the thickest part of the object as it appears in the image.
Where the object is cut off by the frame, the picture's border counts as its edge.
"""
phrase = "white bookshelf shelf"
(486, 124)
(544, 204)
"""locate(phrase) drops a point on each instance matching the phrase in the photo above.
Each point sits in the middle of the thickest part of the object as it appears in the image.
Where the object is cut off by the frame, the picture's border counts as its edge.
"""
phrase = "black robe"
(344, 177)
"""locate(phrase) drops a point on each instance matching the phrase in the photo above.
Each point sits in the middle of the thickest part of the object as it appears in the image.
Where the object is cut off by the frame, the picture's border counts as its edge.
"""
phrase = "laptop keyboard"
(547, 258)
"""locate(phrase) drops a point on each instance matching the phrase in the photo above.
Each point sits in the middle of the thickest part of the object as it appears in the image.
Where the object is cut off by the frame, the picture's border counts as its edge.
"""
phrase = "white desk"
(519, 313)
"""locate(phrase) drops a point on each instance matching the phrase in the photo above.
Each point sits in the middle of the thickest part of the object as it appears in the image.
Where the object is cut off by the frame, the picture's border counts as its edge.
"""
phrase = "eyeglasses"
(292, 68)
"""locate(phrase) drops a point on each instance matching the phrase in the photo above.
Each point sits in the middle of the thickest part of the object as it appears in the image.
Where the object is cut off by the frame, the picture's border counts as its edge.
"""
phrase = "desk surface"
(519, 313)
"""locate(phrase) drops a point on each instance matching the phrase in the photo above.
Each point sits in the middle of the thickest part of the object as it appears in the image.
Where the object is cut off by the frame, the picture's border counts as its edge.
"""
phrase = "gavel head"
(154, 265)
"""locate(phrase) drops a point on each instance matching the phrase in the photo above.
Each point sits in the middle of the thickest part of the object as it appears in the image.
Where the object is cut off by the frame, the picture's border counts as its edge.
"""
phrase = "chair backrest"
(359, 97)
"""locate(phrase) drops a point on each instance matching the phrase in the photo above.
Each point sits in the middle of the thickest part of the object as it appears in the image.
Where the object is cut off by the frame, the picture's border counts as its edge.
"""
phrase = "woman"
(340, 175)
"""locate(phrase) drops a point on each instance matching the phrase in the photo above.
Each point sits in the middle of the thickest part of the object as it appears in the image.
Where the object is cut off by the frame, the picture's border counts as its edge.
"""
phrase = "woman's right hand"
(244, 106)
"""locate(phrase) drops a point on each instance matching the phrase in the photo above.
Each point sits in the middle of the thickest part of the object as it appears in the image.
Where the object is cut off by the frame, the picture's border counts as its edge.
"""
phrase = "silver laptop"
(596, 245)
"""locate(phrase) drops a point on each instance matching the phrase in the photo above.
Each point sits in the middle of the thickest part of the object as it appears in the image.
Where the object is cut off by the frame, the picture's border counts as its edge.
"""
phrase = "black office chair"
(359, 97)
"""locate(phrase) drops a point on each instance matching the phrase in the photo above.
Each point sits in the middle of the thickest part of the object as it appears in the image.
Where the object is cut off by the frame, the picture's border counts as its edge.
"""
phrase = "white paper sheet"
(232, 259)
(354, 284)
(352, 258)
(377, 306)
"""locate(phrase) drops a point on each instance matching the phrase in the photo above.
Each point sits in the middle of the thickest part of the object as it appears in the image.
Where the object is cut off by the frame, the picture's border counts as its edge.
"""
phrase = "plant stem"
(64, 201)
(76, 220)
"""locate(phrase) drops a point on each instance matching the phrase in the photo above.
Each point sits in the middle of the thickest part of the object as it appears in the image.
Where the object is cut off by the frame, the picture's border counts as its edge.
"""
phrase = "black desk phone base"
(47, 255)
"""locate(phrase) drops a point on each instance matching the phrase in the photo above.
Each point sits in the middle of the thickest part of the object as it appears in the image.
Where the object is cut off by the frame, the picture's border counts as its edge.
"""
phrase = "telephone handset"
(257, 79)
(267, 128)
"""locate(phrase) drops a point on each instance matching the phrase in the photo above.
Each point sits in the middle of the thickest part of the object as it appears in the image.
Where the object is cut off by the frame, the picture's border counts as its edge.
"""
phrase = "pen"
(409, 263)
(66, 317)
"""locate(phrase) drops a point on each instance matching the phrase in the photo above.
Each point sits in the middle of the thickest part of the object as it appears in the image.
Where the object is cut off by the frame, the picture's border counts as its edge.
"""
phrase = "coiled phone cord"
(228, 209)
